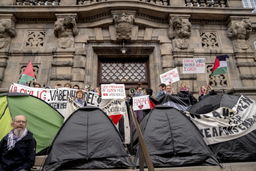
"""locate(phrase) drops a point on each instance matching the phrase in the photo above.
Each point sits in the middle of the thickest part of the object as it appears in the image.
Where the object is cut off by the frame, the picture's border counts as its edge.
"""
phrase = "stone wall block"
(78, 74)
(165, 49)
(167, 61)
(79, 62)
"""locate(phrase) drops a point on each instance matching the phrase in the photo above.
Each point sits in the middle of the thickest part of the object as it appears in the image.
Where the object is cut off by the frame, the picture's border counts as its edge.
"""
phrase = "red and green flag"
(28, 74)
(220, 65)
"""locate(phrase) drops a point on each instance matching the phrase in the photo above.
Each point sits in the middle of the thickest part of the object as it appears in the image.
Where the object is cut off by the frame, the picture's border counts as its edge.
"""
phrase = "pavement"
(244, 166)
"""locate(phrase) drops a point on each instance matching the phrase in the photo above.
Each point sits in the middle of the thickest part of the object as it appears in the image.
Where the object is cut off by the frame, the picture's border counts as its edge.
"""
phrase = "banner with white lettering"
(140, 103)
(170, 76)
(224, 124)
(117, 112)
(113, 91)
(193, 65)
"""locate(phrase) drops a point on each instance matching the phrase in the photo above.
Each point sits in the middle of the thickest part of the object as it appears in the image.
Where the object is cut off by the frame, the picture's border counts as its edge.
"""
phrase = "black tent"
(173, 140)
(87, 140)
(238, 149)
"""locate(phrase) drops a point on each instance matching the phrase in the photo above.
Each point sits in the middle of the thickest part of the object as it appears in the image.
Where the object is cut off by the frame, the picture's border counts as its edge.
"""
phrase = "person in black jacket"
(17, 148)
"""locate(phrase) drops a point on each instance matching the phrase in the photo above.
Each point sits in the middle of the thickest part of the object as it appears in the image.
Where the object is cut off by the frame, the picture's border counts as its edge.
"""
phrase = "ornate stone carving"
(65, 29)
(35, 39)
(239, 32)
(124, 23)
(180, 31)
(7, 31)
(209, 40)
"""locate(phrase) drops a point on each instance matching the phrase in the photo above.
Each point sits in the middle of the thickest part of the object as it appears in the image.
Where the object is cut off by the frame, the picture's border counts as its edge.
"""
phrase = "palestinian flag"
(28, 74)
(220, 65)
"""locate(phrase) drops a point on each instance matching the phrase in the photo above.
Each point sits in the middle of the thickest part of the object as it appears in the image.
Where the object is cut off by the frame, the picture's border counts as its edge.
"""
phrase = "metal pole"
(142, 143)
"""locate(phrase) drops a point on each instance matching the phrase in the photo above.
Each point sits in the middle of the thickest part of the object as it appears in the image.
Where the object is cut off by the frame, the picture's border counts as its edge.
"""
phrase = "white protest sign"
(141, 103)
(113, 91)
(193, 65)
(170, 76)
(224, 124)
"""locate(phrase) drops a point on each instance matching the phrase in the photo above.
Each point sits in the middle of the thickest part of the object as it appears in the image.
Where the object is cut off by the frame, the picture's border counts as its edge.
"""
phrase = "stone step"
(244, 166)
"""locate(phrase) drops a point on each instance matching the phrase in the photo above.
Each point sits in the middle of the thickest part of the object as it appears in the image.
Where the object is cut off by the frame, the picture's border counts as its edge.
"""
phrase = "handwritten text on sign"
(170, 76)
(112, 91)
(193, 65)
(141, 103)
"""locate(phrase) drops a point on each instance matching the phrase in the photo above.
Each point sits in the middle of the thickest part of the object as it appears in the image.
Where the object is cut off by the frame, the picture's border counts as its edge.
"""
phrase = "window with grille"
(125, 72)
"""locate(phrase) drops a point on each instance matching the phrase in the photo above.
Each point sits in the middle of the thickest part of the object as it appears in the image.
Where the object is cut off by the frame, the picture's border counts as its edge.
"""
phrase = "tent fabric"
(43, 120)
(173, 140)
(87, 140)
(236, 150)
(213, 102)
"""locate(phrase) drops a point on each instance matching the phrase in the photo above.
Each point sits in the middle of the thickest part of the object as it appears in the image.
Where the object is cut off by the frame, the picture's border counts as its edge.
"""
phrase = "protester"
(184, 92)
(80, 100)
(97, 90)
(68, 85)
(169, 89)
(58, 85)
(36, 84)
(203, 91)
(76, 87)
(17, 148)
(139, 91)
(162, 90)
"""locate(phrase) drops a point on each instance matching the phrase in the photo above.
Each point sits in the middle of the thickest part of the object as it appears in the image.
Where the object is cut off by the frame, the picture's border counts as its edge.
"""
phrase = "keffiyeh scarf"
(13, 139)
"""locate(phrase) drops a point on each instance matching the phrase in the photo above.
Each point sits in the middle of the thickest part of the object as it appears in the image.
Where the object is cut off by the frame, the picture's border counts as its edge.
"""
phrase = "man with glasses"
(17, 148)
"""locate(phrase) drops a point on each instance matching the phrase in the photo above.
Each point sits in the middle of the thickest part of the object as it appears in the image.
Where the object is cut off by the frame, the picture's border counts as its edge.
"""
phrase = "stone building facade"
(90, 42)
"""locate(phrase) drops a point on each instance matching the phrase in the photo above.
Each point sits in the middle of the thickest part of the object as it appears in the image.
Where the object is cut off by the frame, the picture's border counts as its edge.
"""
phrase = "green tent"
(43, 120)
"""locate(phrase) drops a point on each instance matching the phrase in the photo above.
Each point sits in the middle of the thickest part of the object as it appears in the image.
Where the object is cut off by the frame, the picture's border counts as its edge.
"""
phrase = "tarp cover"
(238, 149)
(173, 140)
(87, 140)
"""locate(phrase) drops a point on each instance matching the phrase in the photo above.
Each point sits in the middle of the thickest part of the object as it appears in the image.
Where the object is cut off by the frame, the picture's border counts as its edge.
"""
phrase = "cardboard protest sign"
(113, 91)
(170, 76)
(193, 65)
(141, 103)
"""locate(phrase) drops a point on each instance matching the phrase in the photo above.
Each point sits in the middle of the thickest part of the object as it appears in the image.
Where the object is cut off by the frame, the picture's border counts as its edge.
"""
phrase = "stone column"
(7, 32)
(239, 30)
(65, 30)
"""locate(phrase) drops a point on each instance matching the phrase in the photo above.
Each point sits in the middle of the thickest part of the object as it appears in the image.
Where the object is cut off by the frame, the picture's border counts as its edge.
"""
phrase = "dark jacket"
(22, 156)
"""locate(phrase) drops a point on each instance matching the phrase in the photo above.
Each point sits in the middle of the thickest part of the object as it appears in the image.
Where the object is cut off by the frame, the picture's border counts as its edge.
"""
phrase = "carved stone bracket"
(180, 31)
(123, 20)
(7, 29)
(239, 32)
(65, 29)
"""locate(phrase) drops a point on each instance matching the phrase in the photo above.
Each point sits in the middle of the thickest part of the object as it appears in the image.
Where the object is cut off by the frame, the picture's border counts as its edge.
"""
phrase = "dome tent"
(173, 140)
(43, 120)
(87, 140)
